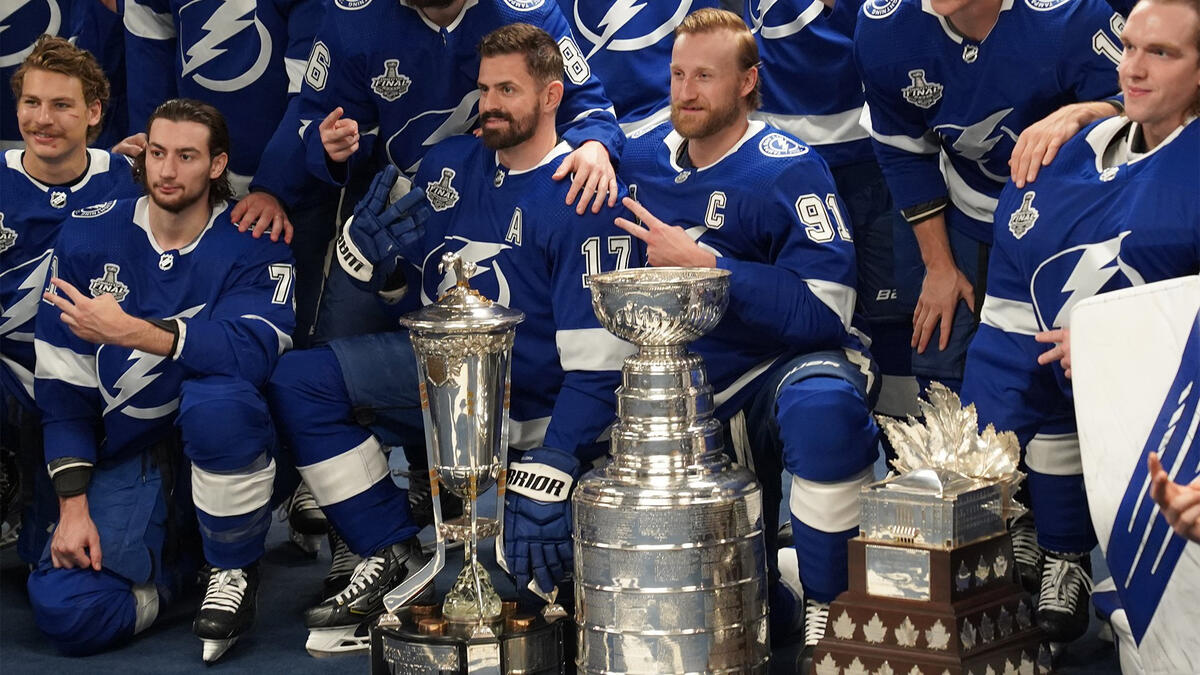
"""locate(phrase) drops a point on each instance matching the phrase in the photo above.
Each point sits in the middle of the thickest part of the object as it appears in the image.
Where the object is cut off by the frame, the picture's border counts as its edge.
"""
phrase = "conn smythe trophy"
(463, 345)
(670, 567)
(932, 585)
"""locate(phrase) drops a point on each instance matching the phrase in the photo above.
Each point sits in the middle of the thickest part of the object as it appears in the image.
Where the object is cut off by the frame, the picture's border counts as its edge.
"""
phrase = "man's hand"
(98, 320)
(666, 245)
(1061, 339)
(1039, 142)
(943, 287)
(76, 541)
(373, 240)
(261, 210)
(537, 517)
(594, 176)
(339, 135)
(1180, 504)
(131, 146)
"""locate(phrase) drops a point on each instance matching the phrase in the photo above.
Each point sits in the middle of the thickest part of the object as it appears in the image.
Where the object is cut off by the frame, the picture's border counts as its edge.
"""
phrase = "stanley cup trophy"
(463, 345)
(670, 567)
(932, 585)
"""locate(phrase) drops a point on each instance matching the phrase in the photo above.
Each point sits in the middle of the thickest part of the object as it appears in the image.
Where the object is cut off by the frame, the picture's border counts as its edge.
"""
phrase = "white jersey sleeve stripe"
(295, 73)
(232, 494)
(923, 145)
(285, 340)
(1010, 316)
(970, 201)
(60, 363)
(817, 130)
(22, 374)
(348, 474)
(591, 349)
(143, 22)
(527, 434)
(838, 297)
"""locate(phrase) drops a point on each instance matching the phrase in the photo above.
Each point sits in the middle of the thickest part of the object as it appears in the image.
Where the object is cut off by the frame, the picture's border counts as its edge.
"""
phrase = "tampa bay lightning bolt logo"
(21, 23)
(1142, 548)
(22, 304)
(785, 22)
(627, 25)
(1076, 274)
(137, 384)
(207, 31)
(408, 145)
(880, 9)
(489, 277)
(987, 142)
(778, 145)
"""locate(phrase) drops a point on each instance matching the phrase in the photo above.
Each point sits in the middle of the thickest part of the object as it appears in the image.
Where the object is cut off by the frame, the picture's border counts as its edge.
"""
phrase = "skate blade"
(326, 642)
(215, 649)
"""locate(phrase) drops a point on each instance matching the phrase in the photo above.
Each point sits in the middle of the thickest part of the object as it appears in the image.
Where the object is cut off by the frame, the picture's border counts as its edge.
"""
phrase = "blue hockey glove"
(537, 517)
(379, 234)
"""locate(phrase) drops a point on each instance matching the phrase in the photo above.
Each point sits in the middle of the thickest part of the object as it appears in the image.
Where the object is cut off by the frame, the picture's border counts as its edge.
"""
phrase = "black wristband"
(919, 213)
(72, 479)
(172, 327)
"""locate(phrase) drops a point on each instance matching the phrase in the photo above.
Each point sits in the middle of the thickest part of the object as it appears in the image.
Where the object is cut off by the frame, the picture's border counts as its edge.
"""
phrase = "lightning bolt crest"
(621, 13)
(8, 10)
(1098, 264)
(977, 140)
(137, 377)
(228, 20)
(24, 309)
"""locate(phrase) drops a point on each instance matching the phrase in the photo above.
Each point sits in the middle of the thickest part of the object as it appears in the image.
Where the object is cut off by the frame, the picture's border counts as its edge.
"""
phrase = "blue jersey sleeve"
(150, 47)
(1091, 51)
(590, 356)
(66, 384)
(250, 324)
(906, 148)
(802, 294)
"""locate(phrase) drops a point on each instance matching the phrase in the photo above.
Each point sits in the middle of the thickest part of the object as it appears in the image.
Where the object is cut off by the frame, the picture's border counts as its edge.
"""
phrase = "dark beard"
(514, 135)
(177, 206)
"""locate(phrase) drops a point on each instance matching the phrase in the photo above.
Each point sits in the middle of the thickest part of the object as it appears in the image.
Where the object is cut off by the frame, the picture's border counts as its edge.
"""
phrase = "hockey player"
(159, 315)
(62, 96)
(743, 196)
(1118, 207)
(811, 90)
(628, 46)
(493, 201)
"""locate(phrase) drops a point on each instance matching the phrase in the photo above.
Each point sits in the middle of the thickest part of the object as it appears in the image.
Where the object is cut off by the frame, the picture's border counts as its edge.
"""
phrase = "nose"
(1131, 64)
(43, 114)
(168, 167)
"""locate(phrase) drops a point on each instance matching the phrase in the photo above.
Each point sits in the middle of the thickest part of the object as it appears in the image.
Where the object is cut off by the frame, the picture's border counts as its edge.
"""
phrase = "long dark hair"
(191, 110)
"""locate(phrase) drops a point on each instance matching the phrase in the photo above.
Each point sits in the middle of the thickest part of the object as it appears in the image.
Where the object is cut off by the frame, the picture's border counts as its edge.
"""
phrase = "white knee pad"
(145, 604)
(829, 507)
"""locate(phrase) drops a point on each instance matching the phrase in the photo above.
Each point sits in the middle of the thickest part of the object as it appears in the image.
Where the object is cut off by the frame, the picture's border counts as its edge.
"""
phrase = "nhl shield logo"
(683, 175)
(58, 199)
(166, 261)
(109, 283)
(970, 53)
(498, 180)
(8, 236)
(391, 85)
(1109, 174)
(1023, 218)
(921, 93)
(441, 194)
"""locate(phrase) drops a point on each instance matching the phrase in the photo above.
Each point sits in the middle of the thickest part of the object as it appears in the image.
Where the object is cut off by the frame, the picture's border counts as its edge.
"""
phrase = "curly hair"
(57, 55)
(191, 110)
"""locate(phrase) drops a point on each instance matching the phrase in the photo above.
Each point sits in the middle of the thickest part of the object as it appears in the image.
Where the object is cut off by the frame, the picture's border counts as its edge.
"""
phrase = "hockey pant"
(338, 406)
(812, 417)
(83, 611)
(1056, 491)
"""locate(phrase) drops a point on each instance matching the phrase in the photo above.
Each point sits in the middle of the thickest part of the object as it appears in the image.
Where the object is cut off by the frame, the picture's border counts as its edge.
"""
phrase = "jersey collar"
(950, 30)
(559, 150)
(1121, 130)
(433, 26)
(98, 162)
(673, 140)
(141, 218)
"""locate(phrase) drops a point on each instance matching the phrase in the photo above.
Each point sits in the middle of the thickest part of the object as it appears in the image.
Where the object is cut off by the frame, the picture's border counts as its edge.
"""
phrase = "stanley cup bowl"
(660, 306)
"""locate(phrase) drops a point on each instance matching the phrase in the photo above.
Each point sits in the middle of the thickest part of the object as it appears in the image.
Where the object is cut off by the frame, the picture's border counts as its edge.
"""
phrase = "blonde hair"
(709, 20)
(57, 55)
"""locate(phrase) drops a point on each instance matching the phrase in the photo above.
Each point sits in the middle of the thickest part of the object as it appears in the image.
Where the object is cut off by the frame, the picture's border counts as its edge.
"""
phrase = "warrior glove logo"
(1023, 218)
(441, 194)
(921, 93)
(109, 283)
(391, 85)
(8, 236)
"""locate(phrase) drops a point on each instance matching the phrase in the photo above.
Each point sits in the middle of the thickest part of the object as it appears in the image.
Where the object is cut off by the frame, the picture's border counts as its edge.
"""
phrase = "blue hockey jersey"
(770, 213)
(31, 213)
(245, 57)
(232, 292)
(1094, 221)
(628, 45)
(86, 23)
(945, 111)
(810, 87)
(409, 83)
(533, 254)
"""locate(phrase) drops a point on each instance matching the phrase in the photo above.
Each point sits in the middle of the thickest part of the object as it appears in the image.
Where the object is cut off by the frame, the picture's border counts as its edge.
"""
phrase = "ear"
(749, 81)
(94, 111)
(553, 95)
(217, 166)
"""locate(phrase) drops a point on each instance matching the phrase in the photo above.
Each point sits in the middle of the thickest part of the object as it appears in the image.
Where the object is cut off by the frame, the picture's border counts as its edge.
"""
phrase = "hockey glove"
(537, 517)
(379, 234)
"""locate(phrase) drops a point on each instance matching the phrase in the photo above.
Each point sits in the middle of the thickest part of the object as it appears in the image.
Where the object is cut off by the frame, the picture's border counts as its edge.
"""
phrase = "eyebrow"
(159, 146)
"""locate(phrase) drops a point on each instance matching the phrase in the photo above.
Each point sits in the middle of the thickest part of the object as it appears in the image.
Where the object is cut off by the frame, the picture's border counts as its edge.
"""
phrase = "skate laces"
(226, 588)
(816, 616)
(1024, 543)
(345, 561)
(1062, 581)
(366, 573)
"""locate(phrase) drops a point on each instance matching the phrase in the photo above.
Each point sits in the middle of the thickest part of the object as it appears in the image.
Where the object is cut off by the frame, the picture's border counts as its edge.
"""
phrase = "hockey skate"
(816, 618)
(307, 524)
(228, 609)
(1062, 610)
(1026, 552)
(342, 623)
(342, 567)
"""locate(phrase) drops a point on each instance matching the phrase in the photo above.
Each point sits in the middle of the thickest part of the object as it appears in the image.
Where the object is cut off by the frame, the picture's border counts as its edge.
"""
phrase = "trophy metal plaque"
(463, 345)
(932, 575)
(670, 566)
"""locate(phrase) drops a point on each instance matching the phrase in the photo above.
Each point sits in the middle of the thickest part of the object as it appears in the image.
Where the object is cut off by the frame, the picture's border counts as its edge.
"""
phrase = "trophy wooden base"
(915, 611)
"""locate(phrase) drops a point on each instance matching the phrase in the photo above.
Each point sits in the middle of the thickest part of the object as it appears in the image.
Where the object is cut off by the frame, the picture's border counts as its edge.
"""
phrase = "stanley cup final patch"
(921, 92)
(109, 283)
(1023, 218)
(441, 194)
(8, 236)
(392, 84)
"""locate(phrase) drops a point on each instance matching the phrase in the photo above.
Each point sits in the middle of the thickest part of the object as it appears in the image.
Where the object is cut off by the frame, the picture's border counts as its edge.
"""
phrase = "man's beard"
(178, 204)
(708, 123)
(515, 134)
